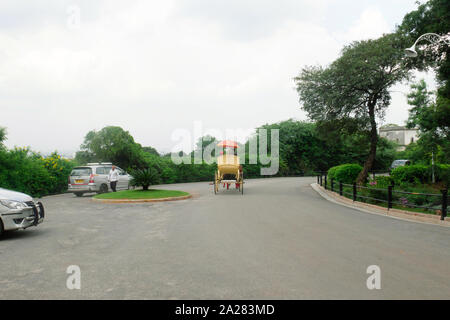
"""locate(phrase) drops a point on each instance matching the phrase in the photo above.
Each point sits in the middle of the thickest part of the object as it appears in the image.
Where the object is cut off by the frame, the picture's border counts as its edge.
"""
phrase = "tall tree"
(432, 17)
(112, 144)
(421, 114)
(150, 150)
(2, 136)
(424, 115)
(356, 85)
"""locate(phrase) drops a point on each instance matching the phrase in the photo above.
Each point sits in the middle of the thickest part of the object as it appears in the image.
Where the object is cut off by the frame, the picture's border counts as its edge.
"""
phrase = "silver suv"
(93, 177)
(18, 211)
(399, 163)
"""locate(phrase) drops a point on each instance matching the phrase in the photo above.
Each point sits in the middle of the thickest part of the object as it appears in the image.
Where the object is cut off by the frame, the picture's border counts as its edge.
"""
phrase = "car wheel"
(79, 194)
(103, 188)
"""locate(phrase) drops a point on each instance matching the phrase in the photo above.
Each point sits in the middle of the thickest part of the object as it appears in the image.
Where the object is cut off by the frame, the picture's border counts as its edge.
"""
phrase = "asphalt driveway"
(281, 240)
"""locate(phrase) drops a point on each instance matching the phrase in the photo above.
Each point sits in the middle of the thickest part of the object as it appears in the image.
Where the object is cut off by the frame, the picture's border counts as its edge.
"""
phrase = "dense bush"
(345, 173)
(415, 179)
(332, 173)
(382, 182)
(421, 174)
(416, 174)
(442, 173)
(59, 168)
(25, 171)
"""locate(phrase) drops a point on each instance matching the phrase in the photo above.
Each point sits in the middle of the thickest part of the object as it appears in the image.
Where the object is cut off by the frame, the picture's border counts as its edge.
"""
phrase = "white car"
(93, 177)
(19, 211)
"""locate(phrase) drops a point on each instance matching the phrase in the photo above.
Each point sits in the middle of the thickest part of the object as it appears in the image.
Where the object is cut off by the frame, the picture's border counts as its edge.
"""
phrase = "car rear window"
(102, 170)
(76, 172)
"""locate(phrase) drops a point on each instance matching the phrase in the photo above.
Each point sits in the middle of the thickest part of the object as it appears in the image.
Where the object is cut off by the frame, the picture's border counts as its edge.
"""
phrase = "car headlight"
(13, 204)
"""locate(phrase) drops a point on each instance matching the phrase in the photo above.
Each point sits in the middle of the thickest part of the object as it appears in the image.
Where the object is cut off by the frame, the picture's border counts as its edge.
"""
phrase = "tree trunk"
(362, 177)
(145, 187)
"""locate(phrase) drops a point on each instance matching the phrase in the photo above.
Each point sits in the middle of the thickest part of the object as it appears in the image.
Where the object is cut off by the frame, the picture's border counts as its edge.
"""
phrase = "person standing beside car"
(113, 177)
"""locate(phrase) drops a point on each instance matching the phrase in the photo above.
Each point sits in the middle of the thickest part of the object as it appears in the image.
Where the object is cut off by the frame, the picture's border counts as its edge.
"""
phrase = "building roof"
(395, 128)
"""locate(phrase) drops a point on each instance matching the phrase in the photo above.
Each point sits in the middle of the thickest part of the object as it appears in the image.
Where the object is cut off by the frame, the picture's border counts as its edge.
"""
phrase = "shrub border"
(381, 211)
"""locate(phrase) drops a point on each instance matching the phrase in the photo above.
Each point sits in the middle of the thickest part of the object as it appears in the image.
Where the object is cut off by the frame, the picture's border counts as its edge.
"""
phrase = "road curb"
(141, 200)
(373, 209)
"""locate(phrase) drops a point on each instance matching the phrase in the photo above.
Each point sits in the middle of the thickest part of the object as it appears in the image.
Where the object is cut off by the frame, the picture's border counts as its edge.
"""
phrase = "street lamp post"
(433, 38)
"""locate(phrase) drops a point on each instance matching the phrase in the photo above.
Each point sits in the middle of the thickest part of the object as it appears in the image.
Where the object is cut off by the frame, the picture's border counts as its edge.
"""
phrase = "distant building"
(401, 135)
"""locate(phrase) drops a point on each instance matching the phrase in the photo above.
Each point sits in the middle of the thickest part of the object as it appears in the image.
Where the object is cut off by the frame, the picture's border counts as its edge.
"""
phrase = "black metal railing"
(389, 196)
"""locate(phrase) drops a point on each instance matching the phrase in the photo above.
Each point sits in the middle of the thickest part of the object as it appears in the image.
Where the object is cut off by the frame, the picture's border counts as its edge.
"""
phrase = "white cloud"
(370, 25)
(152, 67)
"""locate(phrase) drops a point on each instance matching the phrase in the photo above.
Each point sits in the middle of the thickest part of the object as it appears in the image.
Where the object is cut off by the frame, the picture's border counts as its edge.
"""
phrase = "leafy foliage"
(25, 171)
(442, 172)
(426, 116)
(432, 16)
(355, 86)
(383, 182)
(421, 174)
(2, 136)
(345, 173)
(332, 173)
(146, 177)
(150, 150)
(417, 174)
(111, 144)
(59, 168)
(433, 119)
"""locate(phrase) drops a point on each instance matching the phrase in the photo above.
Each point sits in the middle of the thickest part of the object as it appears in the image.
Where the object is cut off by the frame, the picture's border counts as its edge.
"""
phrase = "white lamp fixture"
(433, 38)
(411, 52)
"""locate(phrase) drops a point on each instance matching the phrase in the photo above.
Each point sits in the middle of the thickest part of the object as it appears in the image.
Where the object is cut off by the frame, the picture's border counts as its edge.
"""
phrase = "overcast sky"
(151, 67)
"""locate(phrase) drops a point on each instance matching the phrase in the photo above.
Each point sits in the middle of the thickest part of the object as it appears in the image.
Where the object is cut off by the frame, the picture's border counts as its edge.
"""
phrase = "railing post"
(320, 179)
(325, 182)
(340, 188)
(317, 179)
(389, 199)
(332, 184)
(444, 203)
(354, 192)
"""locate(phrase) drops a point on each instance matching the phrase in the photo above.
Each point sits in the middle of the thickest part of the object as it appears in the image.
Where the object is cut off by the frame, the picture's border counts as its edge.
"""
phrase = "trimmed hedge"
(416, 174)
(345, 173)
(421, 174)
(332, 173)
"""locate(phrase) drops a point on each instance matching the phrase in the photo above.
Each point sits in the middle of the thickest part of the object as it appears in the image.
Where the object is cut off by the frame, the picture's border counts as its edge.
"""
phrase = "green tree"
(432, 17)
(201, 146)
(356, 85)
(434, 136)
(301, 148)
(112, 144)
(150, 150)
(2, 136)
(422, 115)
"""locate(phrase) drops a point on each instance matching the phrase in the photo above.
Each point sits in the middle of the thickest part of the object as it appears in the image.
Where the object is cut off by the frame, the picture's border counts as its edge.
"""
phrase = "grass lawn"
(141, 194)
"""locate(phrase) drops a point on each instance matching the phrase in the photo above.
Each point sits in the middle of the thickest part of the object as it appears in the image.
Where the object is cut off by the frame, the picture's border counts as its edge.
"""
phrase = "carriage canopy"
(228, 144)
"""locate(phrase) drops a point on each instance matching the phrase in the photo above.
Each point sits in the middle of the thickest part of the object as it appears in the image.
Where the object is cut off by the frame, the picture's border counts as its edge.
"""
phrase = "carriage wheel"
(215, 183)
(241, 185)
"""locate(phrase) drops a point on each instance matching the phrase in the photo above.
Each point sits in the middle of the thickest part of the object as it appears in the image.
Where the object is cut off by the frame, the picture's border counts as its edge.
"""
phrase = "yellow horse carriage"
(229, 170)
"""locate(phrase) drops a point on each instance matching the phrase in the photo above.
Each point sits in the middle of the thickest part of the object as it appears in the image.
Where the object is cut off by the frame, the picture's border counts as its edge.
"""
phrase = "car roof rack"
(98, 163)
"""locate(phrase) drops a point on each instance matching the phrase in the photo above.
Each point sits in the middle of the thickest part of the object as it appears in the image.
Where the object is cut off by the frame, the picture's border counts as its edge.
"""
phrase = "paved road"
(280, 240)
